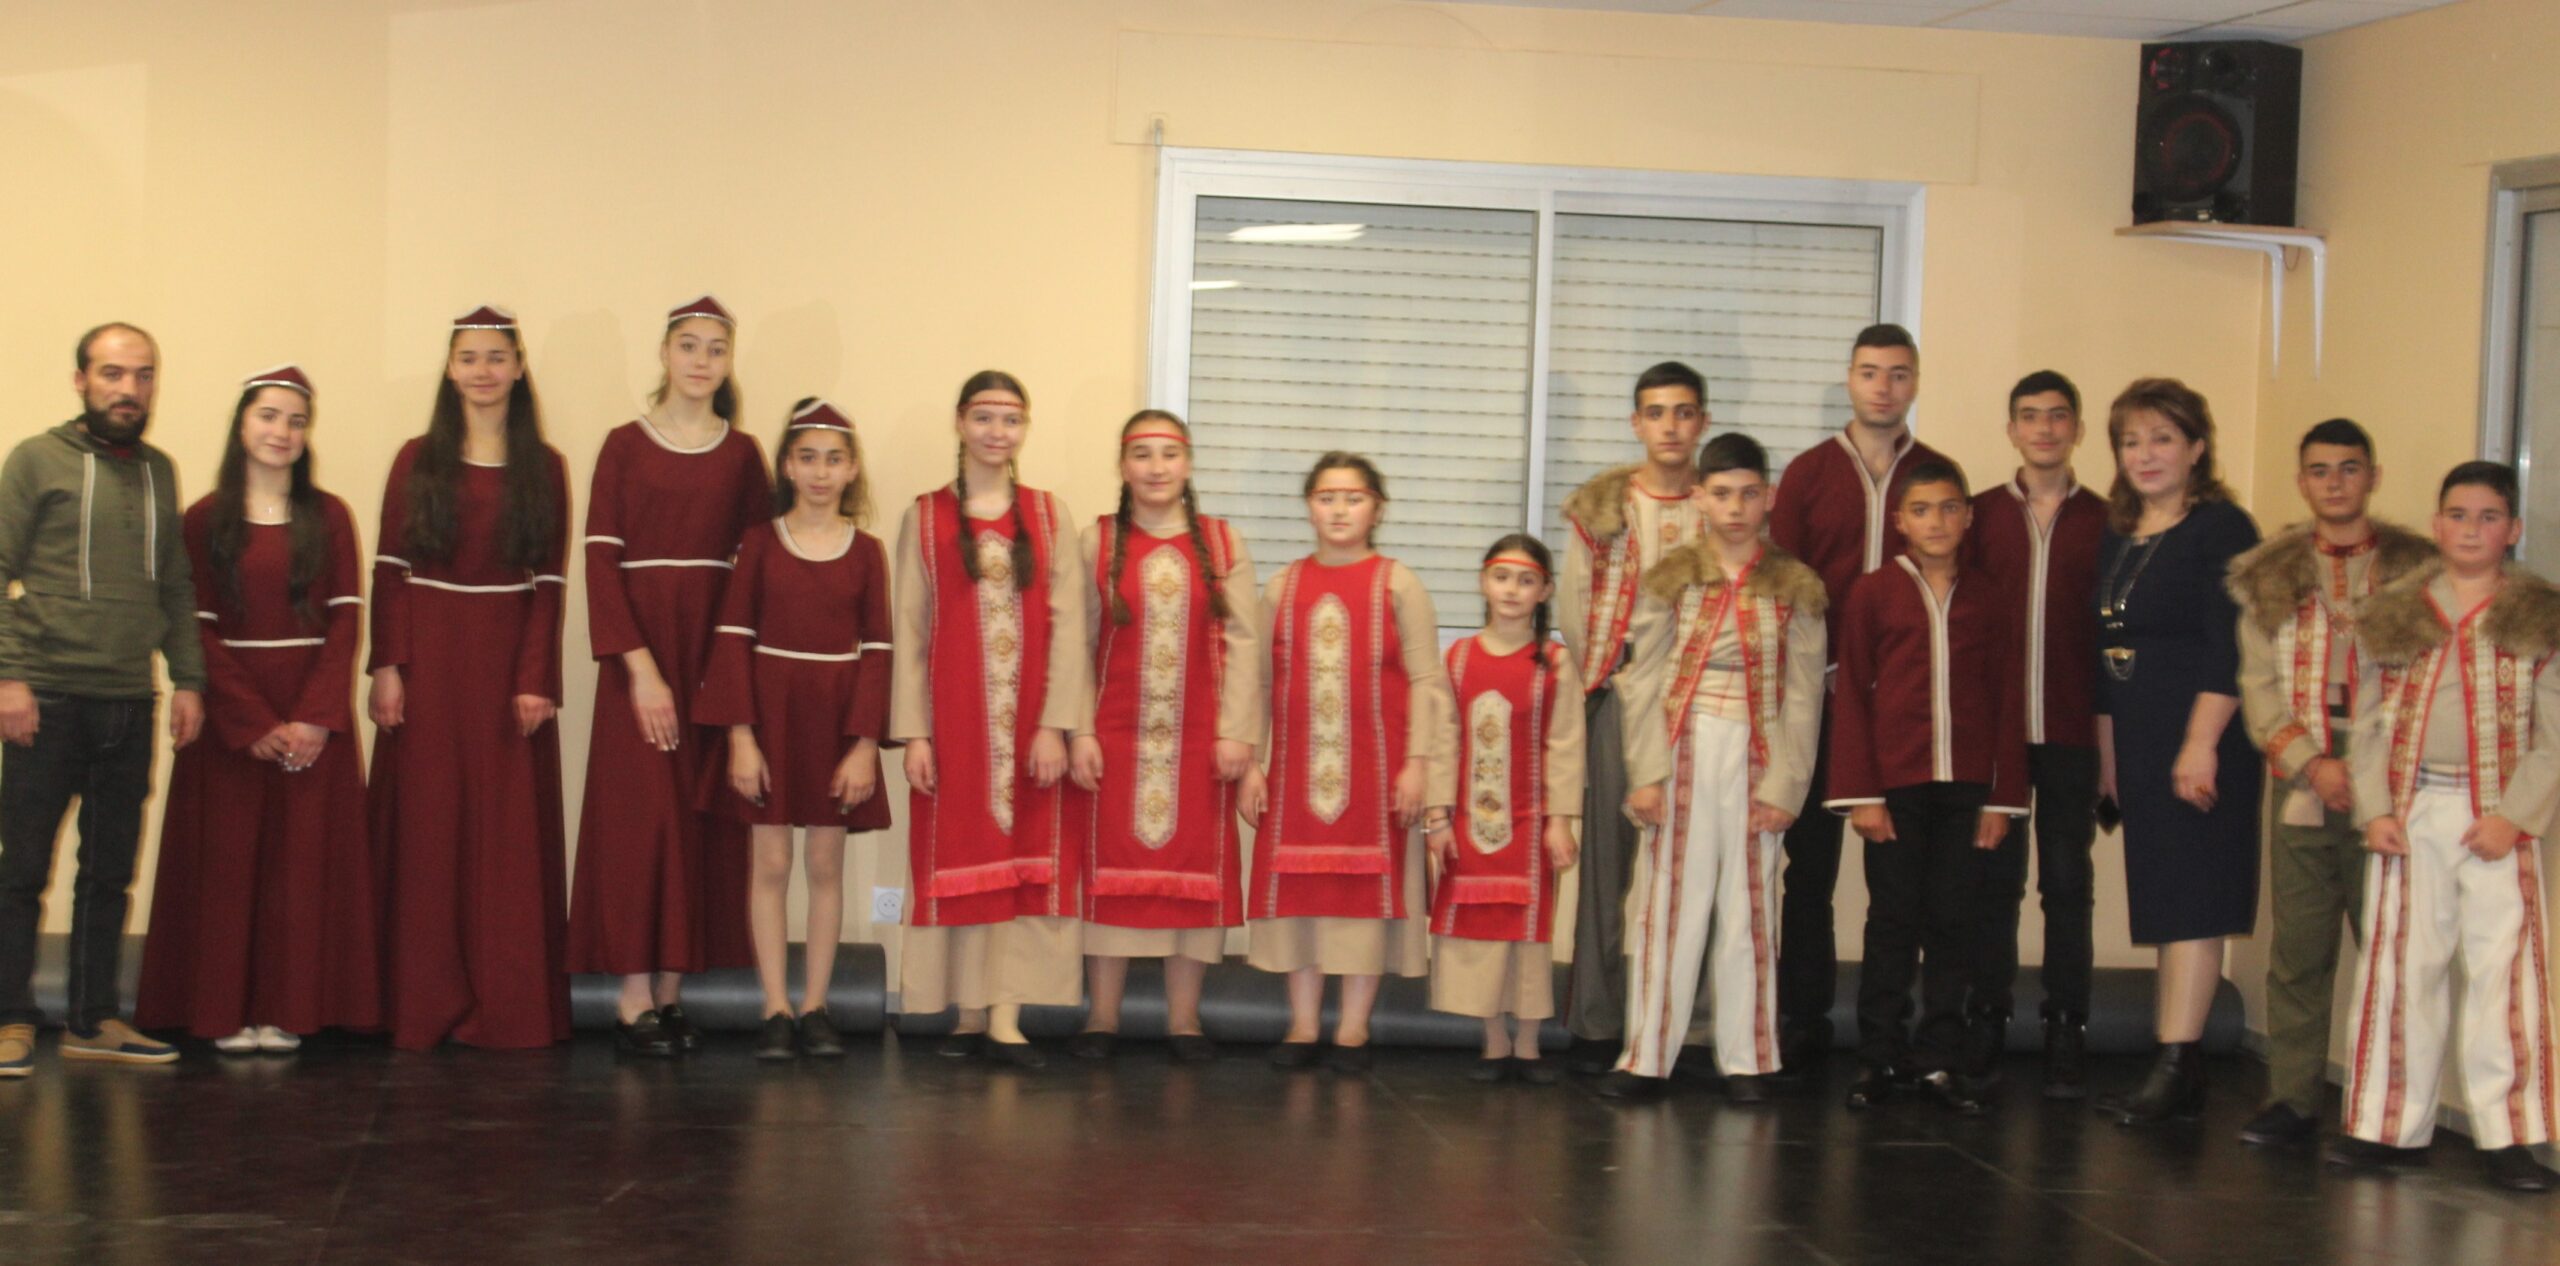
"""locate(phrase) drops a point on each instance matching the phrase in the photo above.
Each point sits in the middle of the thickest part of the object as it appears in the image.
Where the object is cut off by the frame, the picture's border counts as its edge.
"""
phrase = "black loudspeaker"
(2217, 130)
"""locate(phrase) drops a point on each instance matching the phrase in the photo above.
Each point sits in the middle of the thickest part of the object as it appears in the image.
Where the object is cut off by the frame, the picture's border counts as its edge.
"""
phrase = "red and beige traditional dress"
(267, 902)
(1162, 849)
(2457, 718)
(986, 666)
(1357, 688)
(659, 885)
(1517, 761)
(803, 656)
(1724, 703)
(467, 824)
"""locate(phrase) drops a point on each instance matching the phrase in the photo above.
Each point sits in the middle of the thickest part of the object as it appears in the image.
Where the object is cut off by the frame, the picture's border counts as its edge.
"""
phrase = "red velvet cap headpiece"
(280, 376)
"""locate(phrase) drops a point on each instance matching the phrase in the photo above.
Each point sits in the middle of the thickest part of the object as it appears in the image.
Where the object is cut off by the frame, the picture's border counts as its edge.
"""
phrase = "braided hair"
(1543, 621)
(1210, 579)
(1024, 562)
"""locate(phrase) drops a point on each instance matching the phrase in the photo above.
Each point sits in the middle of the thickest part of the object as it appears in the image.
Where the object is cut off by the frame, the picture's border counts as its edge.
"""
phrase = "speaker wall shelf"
(2271, 242)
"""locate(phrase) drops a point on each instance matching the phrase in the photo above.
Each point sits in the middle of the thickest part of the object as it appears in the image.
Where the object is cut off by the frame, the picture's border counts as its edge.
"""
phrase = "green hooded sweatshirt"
(94, 566)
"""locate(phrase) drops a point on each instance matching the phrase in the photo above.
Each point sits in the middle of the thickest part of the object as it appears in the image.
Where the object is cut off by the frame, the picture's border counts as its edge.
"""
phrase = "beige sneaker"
(17, 1050)
(117, 1042)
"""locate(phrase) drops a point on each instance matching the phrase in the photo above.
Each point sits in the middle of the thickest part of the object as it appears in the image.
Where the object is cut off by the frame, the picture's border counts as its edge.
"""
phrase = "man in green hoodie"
(93, 570)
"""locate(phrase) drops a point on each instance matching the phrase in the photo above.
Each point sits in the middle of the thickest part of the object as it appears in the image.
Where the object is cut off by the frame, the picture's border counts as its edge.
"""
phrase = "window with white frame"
(1476, 329)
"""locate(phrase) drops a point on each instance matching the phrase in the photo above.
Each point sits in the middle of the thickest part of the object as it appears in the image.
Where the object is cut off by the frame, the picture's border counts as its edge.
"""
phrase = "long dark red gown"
(264, 909)
(467, 824)
(660, 885)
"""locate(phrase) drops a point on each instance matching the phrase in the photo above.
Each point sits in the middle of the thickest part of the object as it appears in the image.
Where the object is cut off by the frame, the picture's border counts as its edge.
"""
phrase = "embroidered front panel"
(1165, 581)
(1329, 708)
(1614, 568)
(1000, 642)
(1489, 771)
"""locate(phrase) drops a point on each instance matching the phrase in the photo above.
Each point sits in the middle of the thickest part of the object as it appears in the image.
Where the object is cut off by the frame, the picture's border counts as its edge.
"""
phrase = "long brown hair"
(724, 398)
(2180, 406)
(1023, 559)
(854, 502)
(1366, 469)
(525, 522)
(309, 527)
(1209, 577)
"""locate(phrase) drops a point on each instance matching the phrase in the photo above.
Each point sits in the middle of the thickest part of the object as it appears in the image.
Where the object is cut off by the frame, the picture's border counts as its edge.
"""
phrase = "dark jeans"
(98, 750)
(1924, 898)
(1808, 950)
(2065, 780)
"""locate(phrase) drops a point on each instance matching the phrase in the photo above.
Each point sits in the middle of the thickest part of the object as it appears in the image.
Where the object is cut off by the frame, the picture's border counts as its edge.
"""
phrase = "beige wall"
(894, 195)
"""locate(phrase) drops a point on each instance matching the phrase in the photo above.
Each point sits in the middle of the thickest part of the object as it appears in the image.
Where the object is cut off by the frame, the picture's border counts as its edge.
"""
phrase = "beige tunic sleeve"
(2263, 703)
(910, 713)
(1070, 696)
(1097, 608)
(1242, 714)
(1652, 637)
(1573, 594)
(1431, 709)
(2532, 797)
(1790, 773)
(1565, 744)
(2369, 751)
(1267, 668)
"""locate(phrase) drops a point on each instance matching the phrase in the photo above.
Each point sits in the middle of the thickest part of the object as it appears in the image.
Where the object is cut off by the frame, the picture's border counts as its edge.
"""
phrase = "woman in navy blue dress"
(2172, 755)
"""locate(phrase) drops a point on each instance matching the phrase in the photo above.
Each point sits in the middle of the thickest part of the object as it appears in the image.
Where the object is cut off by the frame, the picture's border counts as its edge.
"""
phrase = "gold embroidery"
(1000, 642)
(1489, 771)
(1164, 581)
(1329, 708)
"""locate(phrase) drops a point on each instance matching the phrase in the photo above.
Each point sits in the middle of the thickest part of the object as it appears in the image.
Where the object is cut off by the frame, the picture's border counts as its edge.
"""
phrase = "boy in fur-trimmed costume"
(2457, 772)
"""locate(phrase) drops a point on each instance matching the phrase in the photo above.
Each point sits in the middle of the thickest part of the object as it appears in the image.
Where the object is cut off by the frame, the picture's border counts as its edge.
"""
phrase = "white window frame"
(2516, 189)
(1185, 175)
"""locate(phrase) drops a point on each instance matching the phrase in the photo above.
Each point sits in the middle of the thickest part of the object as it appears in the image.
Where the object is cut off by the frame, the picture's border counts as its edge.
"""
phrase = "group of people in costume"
(1089, 713)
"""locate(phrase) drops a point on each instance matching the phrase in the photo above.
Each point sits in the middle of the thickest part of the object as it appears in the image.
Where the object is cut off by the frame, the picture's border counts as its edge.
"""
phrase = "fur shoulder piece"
(2397, 624)
(1779, 576)
(1600, 505)
(2272, 579)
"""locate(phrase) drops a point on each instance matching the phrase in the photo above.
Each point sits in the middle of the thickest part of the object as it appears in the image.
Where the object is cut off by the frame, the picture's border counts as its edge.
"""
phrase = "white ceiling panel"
(1866, 12)
(2289, 20)
(2084, 25)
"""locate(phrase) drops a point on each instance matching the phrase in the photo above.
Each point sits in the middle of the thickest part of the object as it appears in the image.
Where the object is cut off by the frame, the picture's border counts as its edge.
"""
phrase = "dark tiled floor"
(350, 1153)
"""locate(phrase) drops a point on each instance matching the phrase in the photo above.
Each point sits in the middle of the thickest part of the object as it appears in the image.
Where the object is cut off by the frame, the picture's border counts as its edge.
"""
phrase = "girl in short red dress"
(265, 926)
(467, 824)
(1177, 713)
(800, 676)
(1359, 709)
(992, 677)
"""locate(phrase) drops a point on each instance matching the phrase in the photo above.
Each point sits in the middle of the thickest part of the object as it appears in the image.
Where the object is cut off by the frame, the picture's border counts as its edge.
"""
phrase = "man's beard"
(109, 429)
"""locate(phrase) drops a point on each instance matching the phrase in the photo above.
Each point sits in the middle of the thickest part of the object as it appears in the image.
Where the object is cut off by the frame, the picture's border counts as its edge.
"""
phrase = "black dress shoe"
(2066, 1056)
(778, 1038)
(1589, 1058)
(1293, 1055)
(1021, 1055)
(1743, 1088)
(1491, 1068)
(1627, 1087)
(1536, 1072)
(680, 1027)
(1192, 1048)
(1090, 1044)
(1349, 1059)
(2173, 1089)
(646, 1036)
(1876, 1085)
(818, 1036)
(2277, 1124)
(962, 1046)
(2515, 1169)
(2355, 1153)
(1952, 1092)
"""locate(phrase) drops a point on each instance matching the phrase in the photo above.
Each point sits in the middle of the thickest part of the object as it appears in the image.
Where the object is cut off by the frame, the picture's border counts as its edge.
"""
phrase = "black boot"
(2173, 1089)
(2066, 1056)
(1986, 1039)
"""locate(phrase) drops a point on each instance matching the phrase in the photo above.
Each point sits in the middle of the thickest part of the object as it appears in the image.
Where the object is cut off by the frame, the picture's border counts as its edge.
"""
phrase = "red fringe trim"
(1489, 890)
(991, 877)
(1304, 859)
(1118, 882)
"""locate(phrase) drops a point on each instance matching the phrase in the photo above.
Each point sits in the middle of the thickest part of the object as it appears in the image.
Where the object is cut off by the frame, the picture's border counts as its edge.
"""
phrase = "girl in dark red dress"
(265, 927)
(1177, 714)
(467, 592)
(660, 888)
(800, 676)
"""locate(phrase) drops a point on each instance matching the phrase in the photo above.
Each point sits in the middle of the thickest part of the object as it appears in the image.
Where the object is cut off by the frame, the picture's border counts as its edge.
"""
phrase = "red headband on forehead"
(1518, 560)
(1154, 433)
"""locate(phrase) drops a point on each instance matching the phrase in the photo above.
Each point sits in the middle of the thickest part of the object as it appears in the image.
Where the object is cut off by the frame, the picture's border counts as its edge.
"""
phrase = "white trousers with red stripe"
(2422, 913)
(1714, 908)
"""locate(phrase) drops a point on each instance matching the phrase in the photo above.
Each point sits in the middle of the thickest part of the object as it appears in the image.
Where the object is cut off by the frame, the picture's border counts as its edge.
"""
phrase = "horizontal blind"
(1765, 311)
(1400, 332)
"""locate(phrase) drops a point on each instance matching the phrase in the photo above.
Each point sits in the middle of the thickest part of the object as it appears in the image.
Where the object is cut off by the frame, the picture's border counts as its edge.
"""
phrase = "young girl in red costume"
(990, 610)
(467, 592)
(1177, 712)
(1518, 759)
(800, 675)
(266, 930)
(1359, 706)
(660, 888)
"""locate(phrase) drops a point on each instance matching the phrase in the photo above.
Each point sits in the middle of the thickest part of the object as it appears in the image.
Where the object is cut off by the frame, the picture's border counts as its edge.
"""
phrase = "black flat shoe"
(1090, 1044)
(1293, 1055)
(1745, 1089)
(2515, 1169)
(1535, 1072)
(680, 1027)
(962, 1046)
(1626, 1087)
(2173, 1090)
(1349, 1059)
(818, 1036)
(646, 1037)
(778, 1038)
(1021, 1055)
(2360, 1154)
(1192, 1048)
(1589, 1058)
(1490, 1069)
(1874, 1087)
(2278, 1125)
(1952, 1093)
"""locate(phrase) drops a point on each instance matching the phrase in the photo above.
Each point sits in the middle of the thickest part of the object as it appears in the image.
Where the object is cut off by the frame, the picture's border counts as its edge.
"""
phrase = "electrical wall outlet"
(888, 905)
